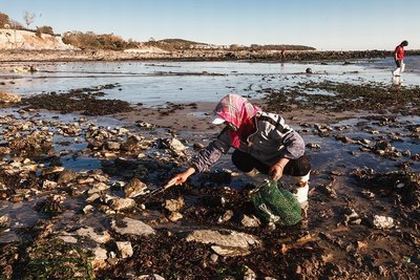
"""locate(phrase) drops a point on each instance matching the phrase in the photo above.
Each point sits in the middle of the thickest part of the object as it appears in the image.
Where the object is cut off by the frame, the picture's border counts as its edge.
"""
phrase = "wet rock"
(135, 188)
(174, 145)
(131, 144)
(249, 274)
(309, 70)
(174, 205)
(119, 204)
(9, 98)
(175, 216)
(113, 146)
(88, 209)
(345, 139)
(98, 187)
(226, 217)
(132, 227)
(328, 189)
(125, 249)
(226, 242)
(66, 177)
(52, 205)
(367, 194)
(313, 146)
(351, 217)
(251, 222)
(4, 221)
(100, 237)
(49, 185)
(214, 258)
(145, 124)
(93, 198)
(383, 222)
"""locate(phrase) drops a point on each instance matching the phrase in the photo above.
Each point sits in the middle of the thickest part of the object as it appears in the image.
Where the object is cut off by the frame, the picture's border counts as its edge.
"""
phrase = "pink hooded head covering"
(239, 112)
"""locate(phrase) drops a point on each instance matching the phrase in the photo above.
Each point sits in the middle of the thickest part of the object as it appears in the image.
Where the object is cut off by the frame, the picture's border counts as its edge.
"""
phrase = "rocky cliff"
(27, 40)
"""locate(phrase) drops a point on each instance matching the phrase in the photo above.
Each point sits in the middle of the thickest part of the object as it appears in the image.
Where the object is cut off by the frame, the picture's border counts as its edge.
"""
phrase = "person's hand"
(180, 178)
(276, 172)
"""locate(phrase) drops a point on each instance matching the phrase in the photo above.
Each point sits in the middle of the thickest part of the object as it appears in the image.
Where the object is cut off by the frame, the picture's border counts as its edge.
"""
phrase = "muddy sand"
(74, 181)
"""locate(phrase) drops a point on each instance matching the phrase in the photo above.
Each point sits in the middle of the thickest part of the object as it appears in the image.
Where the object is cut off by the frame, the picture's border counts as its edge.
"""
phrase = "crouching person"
(262, 141)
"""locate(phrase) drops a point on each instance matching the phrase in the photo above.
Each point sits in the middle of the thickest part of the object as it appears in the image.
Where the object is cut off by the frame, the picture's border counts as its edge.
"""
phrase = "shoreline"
(190, 55)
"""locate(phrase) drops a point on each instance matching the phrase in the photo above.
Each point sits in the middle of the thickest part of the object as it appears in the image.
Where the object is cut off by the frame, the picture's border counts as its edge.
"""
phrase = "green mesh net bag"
(276, 205)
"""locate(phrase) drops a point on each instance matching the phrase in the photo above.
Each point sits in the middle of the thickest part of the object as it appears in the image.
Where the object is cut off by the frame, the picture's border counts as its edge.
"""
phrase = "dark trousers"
(295, 167)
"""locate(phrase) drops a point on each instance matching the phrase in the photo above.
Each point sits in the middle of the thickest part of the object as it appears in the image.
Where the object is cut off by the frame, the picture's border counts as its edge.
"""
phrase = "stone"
(313, 146)
(90, 232)
(87, 209)
(125, 249)
(93, 198)
(4, 221)
(66, 177)
(225, 242)
(9, 98)
(49, 185)
(175, 216)
(309, 70)
(133, 227)
(135, 188)
(119, 204)
(99, 187)
(177, 146)
(100, 253)
(249, 274)
(250, 221)
(214, 258)
(383, 222)
(226, 217)
(113, 146)
(174, 205)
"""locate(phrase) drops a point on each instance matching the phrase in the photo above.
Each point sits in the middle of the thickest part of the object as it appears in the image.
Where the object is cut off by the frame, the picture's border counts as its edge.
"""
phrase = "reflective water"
(156, 83)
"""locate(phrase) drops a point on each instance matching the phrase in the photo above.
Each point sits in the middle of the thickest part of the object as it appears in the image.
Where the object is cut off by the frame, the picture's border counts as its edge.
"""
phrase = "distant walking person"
(399, 55)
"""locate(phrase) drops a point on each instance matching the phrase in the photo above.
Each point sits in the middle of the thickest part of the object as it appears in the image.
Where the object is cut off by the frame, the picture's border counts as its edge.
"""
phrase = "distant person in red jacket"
(399, 55)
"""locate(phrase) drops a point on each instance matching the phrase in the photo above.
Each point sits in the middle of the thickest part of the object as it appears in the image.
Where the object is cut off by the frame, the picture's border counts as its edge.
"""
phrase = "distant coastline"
(18, 55)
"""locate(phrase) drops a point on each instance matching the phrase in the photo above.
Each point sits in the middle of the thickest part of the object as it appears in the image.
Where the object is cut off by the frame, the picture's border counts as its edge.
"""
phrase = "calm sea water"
(154, 83)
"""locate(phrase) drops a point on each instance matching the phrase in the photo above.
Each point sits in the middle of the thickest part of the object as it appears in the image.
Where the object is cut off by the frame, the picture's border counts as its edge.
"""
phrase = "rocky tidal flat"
(74, 190)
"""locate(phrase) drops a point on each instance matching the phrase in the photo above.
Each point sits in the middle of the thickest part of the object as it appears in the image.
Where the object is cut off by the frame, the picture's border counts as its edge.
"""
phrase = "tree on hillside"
(29, 18)
(4, 20)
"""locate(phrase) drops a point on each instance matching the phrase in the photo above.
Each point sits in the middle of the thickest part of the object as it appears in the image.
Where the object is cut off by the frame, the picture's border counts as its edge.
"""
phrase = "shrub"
(4, 19)
(90, 40)
(45, 30)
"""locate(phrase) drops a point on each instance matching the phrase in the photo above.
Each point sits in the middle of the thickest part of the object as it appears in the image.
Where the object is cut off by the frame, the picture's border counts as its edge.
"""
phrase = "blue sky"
(324, 24)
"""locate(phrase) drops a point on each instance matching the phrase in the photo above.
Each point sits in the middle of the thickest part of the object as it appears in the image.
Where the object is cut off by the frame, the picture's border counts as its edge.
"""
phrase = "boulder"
(9, 98)
(226, 242)
(133, 226)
